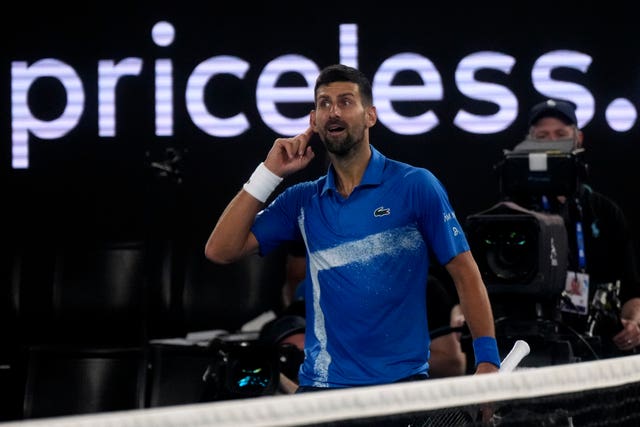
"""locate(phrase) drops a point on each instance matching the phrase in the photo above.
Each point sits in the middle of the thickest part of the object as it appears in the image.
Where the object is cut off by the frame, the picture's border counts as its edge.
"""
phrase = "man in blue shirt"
(369, 226)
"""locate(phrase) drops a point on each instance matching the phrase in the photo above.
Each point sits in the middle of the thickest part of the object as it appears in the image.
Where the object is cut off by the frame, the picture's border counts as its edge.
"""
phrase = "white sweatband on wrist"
(262, 183)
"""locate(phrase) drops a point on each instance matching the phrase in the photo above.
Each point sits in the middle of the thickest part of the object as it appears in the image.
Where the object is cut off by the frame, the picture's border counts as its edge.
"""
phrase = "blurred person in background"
(602, 254)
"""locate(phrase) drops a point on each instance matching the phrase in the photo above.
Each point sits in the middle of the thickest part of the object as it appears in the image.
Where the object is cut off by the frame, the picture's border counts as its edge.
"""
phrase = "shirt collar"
(372, 174)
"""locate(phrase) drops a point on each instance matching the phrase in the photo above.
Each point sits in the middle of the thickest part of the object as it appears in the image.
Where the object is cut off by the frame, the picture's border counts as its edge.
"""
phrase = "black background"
(81, 190)
(93, 187)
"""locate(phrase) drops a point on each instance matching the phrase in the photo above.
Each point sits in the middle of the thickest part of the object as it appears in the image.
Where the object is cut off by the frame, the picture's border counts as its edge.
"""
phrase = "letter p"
(22, 119)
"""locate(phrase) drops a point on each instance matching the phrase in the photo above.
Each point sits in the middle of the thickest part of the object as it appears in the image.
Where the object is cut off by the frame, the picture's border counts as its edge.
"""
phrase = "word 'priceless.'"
(269, 93)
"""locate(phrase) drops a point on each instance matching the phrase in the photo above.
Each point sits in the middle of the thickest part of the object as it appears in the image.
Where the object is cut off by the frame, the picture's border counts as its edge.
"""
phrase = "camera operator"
(602, 271)
(285, 336)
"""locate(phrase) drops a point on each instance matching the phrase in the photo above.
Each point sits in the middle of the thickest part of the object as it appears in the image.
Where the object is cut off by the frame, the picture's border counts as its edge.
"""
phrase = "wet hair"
(344, 73)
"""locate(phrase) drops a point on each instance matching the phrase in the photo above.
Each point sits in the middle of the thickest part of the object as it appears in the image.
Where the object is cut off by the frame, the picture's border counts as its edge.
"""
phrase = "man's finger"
(303, 140)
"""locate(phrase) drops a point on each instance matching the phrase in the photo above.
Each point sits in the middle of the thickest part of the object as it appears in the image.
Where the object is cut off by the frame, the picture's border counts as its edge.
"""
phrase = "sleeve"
(277, 223)
(438, 221)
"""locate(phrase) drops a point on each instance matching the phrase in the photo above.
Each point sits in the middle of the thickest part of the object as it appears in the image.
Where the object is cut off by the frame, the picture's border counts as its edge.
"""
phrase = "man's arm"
(231, 238)
(474, 301)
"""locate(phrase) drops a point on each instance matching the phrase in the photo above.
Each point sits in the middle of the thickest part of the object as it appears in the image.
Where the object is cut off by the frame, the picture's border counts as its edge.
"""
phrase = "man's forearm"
(231, 239)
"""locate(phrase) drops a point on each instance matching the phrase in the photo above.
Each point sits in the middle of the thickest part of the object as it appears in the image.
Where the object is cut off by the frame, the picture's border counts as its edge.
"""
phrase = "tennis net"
(601, 392)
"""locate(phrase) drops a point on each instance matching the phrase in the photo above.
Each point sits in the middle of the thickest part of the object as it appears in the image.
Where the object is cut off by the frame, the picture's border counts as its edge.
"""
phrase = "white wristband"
(262, 183)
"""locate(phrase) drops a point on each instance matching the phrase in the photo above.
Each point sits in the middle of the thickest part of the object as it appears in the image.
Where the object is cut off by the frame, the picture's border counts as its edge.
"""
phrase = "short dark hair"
(344, 73)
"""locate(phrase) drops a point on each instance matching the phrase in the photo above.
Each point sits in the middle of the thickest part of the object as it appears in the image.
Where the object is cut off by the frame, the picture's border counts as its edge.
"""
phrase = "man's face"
(340, 119)
(552, 129)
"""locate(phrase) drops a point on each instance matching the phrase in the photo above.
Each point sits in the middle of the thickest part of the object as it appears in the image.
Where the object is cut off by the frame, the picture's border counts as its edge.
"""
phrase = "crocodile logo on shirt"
(381, 211)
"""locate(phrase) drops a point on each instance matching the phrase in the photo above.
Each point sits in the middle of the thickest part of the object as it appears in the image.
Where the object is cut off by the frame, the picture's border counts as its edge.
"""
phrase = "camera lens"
(506, 250)
(250, 377)
(510, 255)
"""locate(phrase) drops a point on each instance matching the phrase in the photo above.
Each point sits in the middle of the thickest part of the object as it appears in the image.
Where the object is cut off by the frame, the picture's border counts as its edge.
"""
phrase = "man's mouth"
(335, 129)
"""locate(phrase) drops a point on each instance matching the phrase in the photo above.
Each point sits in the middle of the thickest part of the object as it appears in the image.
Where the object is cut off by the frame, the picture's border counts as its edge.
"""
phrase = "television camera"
(522, 251)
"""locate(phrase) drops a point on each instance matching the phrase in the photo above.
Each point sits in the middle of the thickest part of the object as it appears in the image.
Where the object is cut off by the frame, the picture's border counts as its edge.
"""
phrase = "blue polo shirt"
(367, 268)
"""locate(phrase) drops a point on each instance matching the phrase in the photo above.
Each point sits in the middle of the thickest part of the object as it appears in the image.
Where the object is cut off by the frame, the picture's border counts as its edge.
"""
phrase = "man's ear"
(372, 116)
(579, 138)
(312, 120)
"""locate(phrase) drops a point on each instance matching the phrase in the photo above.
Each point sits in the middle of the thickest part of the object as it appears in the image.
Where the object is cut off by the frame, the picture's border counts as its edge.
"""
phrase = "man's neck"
(350, 169)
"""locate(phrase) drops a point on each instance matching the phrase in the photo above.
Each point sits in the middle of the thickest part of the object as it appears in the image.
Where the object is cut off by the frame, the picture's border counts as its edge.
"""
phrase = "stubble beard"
(344, 145)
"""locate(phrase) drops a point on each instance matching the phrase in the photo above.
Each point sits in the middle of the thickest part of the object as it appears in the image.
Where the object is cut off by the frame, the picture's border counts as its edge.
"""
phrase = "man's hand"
(486, 410)
(486, 368)
(289, 155)
(629, 337)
